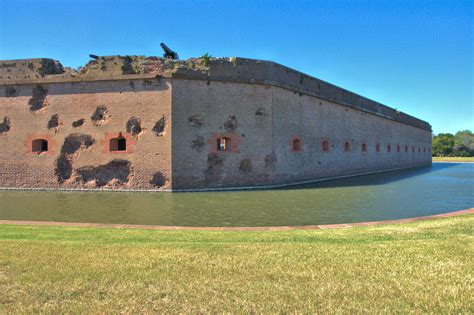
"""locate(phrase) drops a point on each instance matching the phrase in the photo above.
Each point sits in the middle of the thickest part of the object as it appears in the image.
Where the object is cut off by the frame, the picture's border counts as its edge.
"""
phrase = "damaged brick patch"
(260, 112)
(73, 143)
(100, 116)
(134, 126)
(198, 143)
(158, 180)
(54, 123)
(5, 126)
(214, 164)
(115, 173)
(270, 160)
(63, 169)
(159, 128)
(78, 123)
(214, 160)
(195, 120)
(38, 100)
(230, 124)
(245, 166)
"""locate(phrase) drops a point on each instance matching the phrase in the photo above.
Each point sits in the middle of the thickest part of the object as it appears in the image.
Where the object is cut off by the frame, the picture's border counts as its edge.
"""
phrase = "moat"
(442, 187)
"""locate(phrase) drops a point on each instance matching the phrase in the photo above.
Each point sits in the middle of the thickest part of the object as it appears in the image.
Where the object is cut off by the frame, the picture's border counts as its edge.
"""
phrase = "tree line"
(459, 144)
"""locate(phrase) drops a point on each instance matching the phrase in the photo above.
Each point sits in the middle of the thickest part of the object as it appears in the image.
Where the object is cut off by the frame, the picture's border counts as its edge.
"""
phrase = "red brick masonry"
(258, 228)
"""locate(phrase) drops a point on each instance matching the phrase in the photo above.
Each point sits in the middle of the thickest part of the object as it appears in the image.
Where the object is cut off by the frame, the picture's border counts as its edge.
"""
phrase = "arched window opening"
(296, 145)
(424, 150)
(223, 144)
(118, 144)
(389, 148)
(347, 147)
(325, 146)
(364, 147)
(406, 148)
(39, 146)
(412, 149)
(419, 150)
(398, 148)
(377, 147)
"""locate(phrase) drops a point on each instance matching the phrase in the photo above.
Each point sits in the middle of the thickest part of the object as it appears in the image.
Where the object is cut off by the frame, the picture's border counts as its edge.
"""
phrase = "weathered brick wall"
(267, 119)
(84, 149)
(251, 71)
(183, 108)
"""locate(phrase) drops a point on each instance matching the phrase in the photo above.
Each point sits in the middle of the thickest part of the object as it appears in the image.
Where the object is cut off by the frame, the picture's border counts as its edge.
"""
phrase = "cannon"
(169, 54)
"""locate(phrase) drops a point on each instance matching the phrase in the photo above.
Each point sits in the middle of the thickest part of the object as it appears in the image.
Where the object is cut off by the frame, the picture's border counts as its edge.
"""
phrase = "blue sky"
(416, 56)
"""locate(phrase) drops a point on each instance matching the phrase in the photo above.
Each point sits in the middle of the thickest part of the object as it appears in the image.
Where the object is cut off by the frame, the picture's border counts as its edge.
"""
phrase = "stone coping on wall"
(237, 70)
(257, 228)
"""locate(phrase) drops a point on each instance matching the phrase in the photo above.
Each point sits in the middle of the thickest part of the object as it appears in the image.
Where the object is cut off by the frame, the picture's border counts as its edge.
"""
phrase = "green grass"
(424, 266)
(453, 159)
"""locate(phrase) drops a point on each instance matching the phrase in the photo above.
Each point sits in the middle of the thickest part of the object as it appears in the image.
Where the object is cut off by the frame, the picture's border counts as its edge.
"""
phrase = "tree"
(460, 144)
(443, 144)
(465, 141)
(461, 150)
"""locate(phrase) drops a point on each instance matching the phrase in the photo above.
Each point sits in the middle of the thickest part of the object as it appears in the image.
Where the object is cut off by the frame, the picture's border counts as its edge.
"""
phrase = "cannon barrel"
(168, 52)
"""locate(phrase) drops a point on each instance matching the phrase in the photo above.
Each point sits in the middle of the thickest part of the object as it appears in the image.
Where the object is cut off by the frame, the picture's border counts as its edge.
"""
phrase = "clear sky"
(416, 56)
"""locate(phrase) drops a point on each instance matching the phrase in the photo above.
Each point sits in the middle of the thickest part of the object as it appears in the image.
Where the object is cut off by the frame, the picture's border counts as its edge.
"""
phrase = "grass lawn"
(453, 159)
(424, 266)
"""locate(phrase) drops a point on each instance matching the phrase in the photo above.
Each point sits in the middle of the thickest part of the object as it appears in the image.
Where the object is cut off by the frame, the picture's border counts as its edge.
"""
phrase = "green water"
(439, 188)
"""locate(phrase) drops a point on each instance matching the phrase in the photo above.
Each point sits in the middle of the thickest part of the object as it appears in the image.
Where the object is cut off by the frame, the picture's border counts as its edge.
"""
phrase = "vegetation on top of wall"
(460, 144)
(206, 58)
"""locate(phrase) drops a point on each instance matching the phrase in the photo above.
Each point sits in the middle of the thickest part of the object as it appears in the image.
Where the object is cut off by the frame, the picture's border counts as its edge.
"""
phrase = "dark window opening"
(296, 145)
(223, 144)
(39, 146)
(377, 147)
(406, 148)
(118, 144)
(412, 149)
(398, 148)
(389, 148)
(122, 144)
(347, 147)
(326, 146)
(419, 150)
(364, 147)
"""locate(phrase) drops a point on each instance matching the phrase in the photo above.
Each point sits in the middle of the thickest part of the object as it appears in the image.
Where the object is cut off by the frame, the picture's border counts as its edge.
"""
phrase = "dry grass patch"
(424, 266)
(453, 159)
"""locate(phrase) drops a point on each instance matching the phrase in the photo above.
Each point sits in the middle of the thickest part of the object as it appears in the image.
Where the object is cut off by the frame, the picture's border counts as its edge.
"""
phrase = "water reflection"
(422, 191)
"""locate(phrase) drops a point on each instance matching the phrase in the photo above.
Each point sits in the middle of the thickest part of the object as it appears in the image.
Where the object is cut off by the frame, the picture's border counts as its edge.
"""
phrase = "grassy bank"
(453, 159)
(424, 266)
